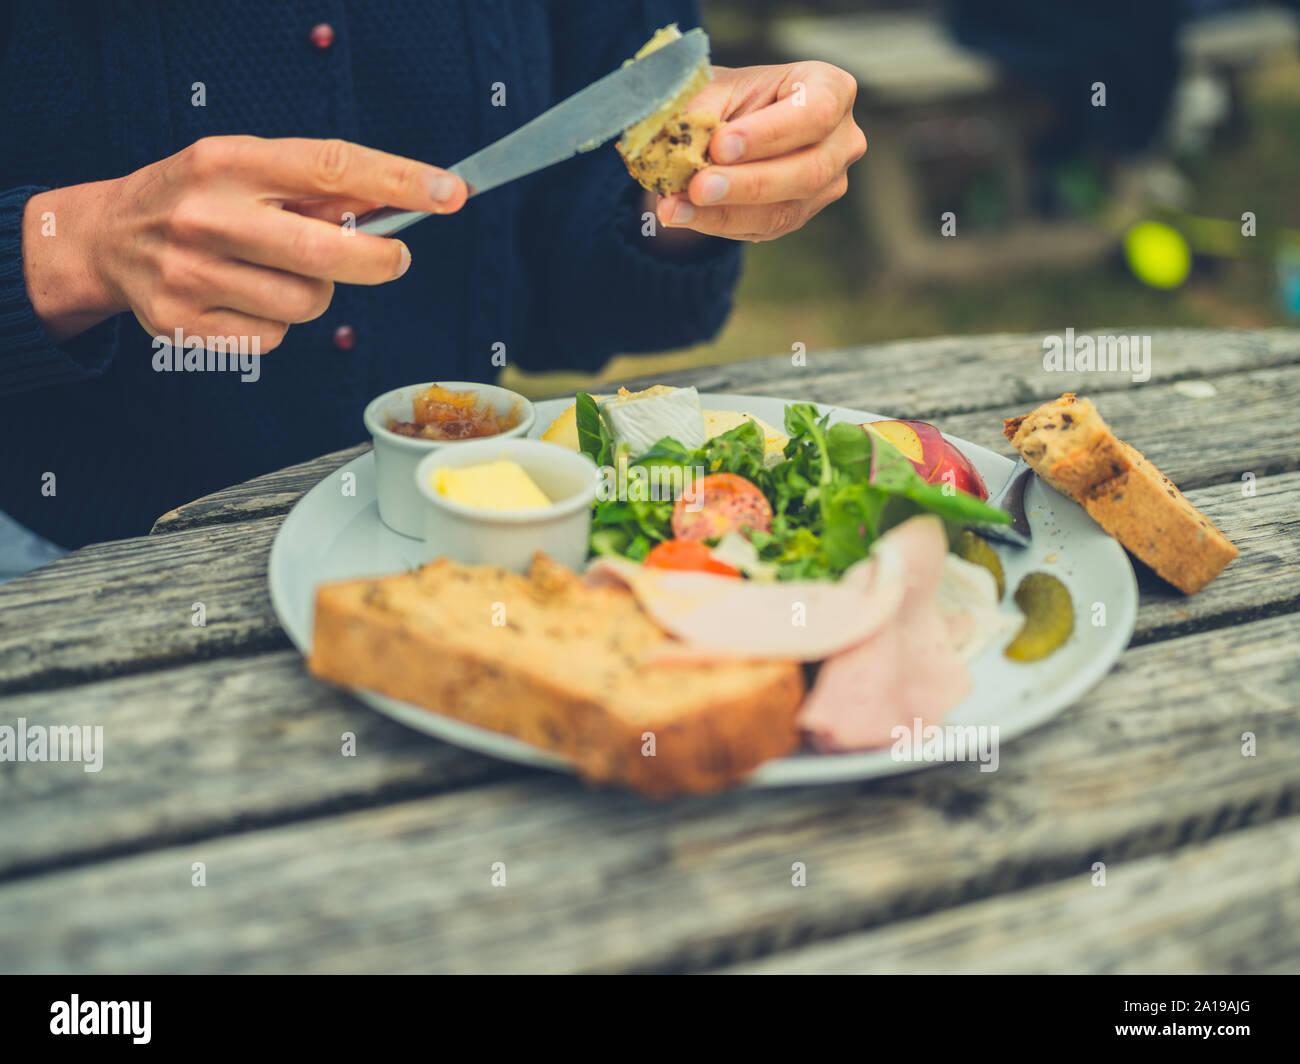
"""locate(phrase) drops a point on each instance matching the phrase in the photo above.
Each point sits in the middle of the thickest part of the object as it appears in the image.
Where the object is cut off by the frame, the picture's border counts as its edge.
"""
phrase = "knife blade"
(584, 121)
(1011, 498)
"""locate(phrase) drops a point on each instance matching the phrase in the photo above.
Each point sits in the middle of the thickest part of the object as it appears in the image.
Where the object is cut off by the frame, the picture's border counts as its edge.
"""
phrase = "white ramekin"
(396, 456)
(509, 538)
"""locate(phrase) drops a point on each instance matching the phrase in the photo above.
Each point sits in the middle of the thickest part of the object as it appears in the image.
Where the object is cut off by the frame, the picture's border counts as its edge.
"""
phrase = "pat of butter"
(491, 486)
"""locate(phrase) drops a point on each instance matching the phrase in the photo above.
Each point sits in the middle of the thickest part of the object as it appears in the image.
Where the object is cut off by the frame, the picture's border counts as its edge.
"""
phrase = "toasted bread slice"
(558, 664)
(1069, 445)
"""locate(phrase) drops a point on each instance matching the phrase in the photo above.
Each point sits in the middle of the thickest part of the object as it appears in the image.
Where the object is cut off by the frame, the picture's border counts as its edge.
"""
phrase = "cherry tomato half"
(720, 503)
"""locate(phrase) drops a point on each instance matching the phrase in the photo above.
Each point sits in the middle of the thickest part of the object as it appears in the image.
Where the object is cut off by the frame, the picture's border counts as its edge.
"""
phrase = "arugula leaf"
(740, 450)
(666, 451)
(593, 435)
(852, 515)
(639, 548)
(800, 418)
(848, 448)
(611, 541)
(954, 505)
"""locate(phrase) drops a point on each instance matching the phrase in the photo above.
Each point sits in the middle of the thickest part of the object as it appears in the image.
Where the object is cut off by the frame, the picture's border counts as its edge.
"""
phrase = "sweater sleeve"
(598, 288)
(29, 358)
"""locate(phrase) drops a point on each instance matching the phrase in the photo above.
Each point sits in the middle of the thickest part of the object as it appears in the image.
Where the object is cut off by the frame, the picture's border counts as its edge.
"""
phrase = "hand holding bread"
(780, 155)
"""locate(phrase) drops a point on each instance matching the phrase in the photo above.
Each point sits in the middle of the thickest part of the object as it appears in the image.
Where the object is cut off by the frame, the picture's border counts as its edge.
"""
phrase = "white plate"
(331, 535)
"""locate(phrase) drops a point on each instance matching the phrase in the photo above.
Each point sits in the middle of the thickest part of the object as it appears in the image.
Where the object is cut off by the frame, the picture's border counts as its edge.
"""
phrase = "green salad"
(836, 490)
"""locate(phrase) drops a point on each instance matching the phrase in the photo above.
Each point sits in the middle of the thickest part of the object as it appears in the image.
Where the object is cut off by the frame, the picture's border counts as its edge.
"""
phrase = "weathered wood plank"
(274, 493)
(129, 605)
(1263, 579)
(1251, 424)
(1229, 905)
(955, 374)
(210, 748)
(915, 378)
(605, 881)
(224, 712)
(126, 607)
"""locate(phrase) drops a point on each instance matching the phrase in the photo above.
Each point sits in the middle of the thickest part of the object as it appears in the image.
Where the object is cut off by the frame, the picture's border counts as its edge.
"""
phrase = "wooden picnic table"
(220, 749)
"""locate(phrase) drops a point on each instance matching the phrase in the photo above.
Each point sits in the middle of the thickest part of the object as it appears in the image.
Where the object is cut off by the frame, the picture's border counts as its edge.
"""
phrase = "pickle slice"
(1049, 618)
(973, 548)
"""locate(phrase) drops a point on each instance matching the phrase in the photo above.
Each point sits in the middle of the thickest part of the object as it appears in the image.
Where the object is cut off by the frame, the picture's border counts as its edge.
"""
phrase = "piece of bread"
(1149, 515)
(676, 153)
(667, 148)
(558, 664)
(1069, 445)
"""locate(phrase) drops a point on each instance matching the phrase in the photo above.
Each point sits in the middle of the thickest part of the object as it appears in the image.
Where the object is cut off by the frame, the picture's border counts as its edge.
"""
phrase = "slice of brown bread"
(558, 664)
(1069, 445)
(1144, 510)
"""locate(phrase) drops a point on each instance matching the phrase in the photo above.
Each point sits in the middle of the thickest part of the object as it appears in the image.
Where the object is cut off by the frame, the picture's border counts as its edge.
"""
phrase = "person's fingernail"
(731, 148)
(713, 188)
(443, 188)
(405, 263)
(682, 213)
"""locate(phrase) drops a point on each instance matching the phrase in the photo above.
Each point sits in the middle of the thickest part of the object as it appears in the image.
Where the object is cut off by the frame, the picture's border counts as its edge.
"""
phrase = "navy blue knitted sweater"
(553, 266)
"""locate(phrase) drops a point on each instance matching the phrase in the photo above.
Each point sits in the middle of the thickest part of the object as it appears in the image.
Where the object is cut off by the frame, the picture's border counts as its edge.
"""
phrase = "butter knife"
(584, 121)
(1011, 498)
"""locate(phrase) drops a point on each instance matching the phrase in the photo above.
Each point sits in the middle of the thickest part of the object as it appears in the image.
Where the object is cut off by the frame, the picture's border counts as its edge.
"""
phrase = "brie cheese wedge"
(639, 420)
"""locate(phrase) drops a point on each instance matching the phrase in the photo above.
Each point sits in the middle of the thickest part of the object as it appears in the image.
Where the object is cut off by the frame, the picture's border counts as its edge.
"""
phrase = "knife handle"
(388, 220)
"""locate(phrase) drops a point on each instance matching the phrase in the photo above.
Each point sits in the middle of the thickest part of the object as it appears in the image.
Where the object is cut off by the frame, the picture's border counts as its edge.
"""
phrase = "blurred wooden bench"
(918, 87)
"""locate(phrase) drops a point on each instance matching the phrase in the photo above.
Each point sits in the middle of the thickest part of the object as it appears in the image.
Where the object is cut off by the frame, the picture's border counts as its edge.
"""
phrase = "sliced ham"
(795, 620)
(909, 669)
(893, 634)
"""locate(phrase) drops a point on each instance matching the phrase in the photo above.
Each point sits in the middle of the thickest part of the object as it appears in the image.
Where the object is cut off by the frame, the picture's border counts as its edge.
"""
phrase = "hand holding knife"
(581, 123)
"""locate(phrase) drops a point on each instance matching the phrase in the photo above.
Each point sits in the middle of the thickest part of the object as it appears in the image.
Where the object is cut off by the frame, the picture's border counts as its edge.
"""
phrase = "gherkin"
(1049, 617)
(973, 548)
